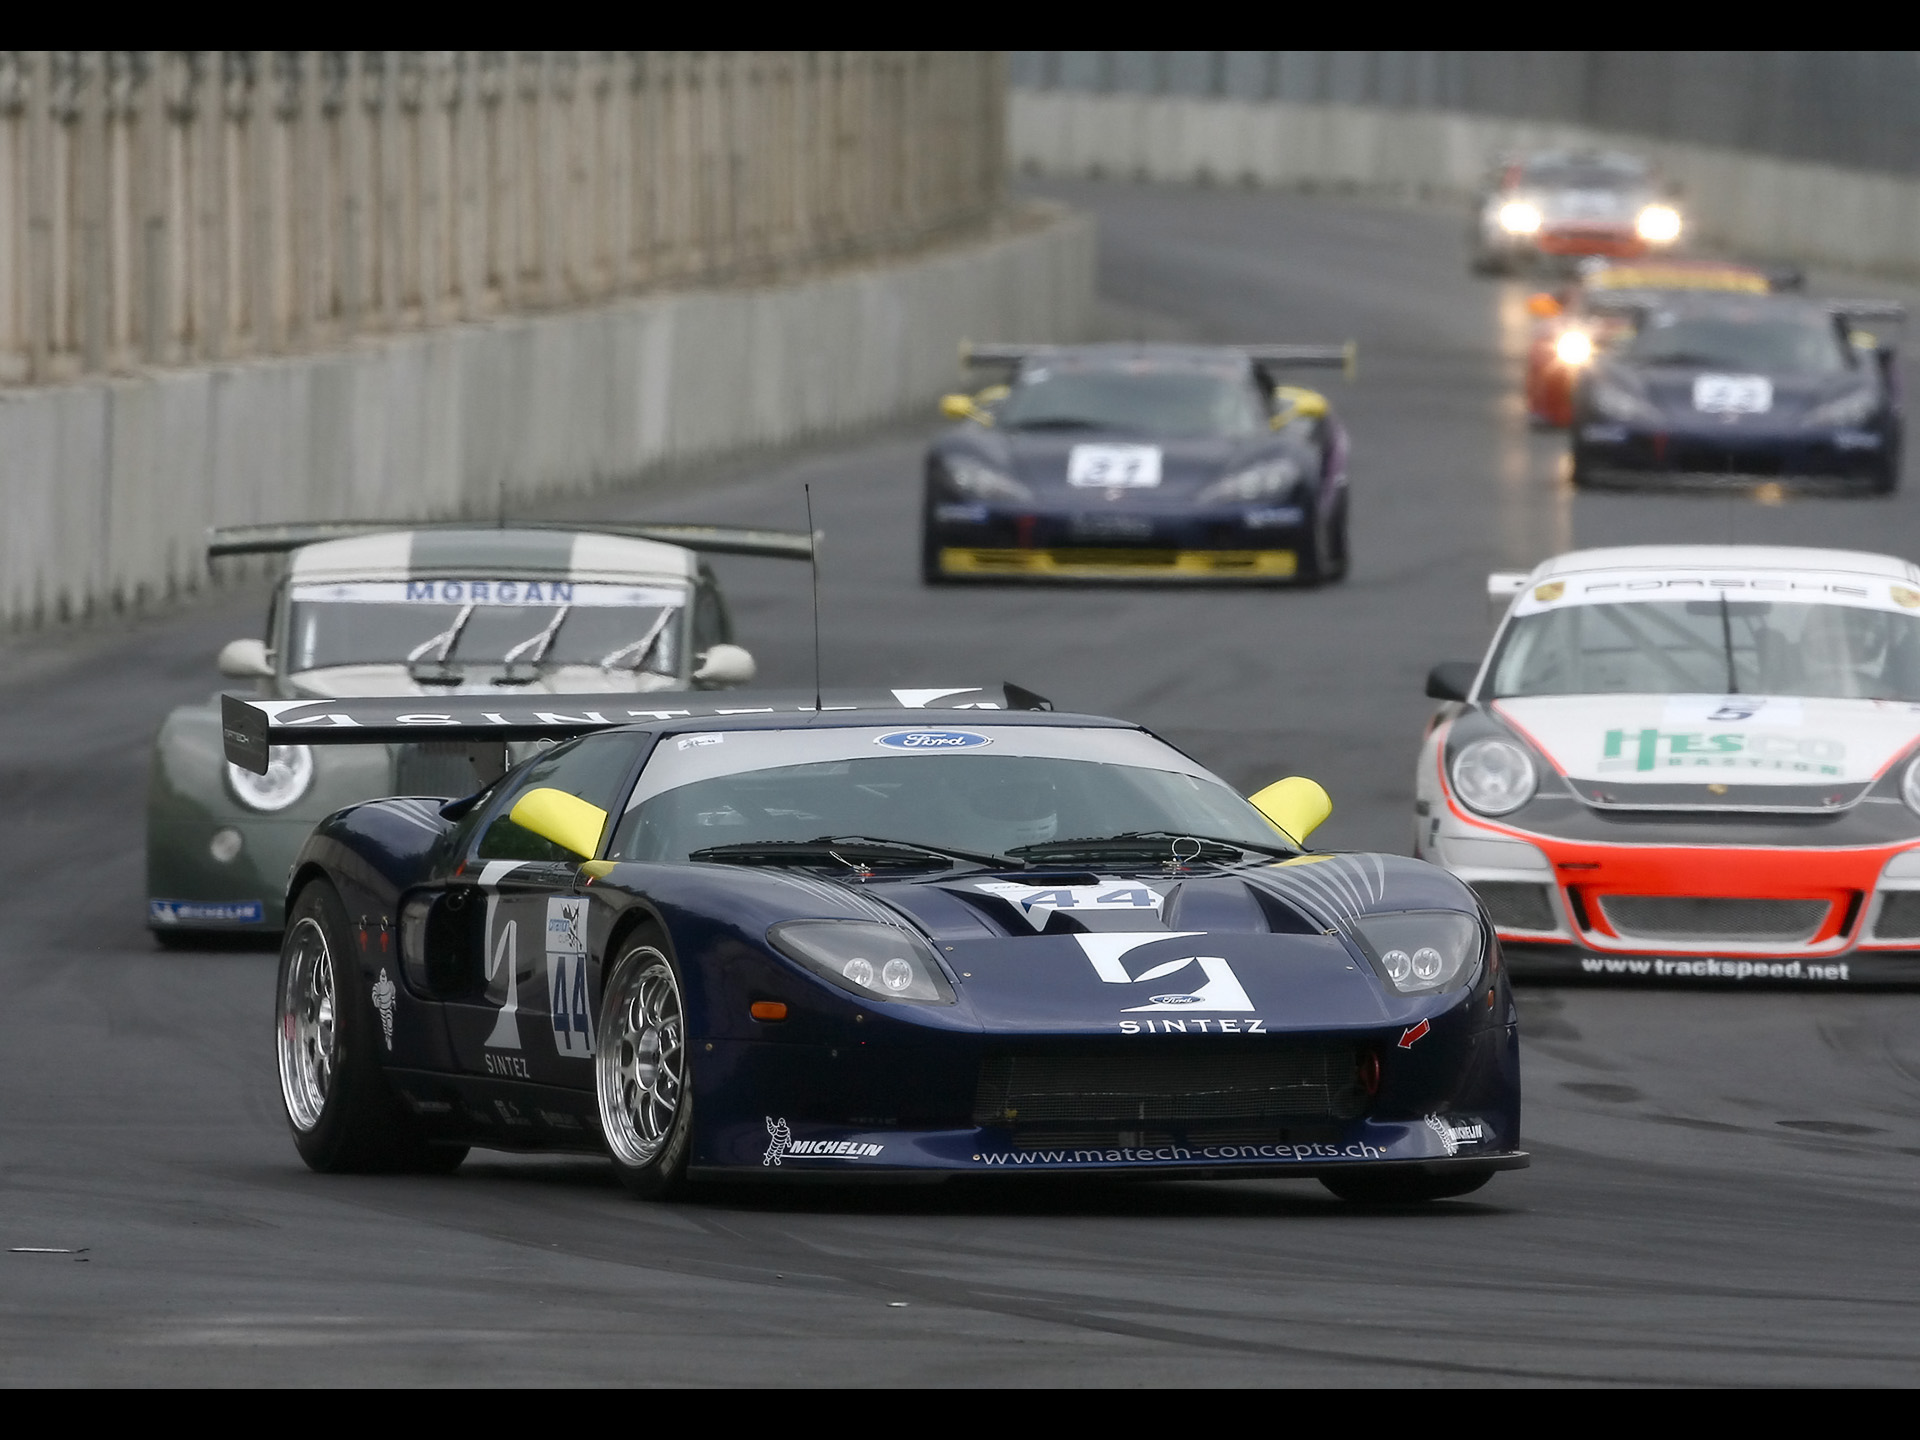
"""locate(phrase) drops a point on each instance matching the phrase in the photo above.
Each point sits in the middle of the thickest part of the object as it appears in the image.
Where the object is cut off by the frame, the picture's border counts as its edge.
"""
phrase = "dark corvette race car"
(1719, 389)
(874, 942)
(1140, 462)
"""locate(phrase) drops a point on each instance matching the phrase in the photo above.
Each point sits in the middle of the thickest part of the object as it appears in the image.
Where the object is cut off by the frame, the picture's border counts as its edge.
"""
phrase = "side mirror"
(1542, 306)
(568, 821)
(1294, 806)
(245, 660)
(1452, 679)
(724, 665)
(961, 407)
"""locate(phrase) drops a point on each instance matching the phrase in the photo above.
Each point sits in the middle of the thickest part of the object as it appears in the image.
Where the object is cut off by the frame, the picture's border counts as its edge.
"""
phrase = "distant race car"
(1140, 462)
(1717, 389)
(877, 940)
(1568, 331)
(1553, 207)
(431, 611)
(1689, 763)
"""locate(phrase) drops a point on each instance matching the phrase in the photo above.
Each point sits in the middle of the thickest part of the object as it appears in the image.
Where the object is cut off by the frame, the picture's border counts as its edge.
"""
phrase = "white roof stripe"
(1669, 558)
(386, 556)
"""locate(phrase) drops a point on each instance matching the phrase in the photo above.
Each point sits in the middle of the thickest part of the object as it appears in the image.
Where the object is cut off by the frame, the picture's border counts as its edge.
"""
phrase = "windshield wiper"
(848, 850)
(632, 657)
(1063, 422)
(1158, 844)
(538, 644)
(427, 661)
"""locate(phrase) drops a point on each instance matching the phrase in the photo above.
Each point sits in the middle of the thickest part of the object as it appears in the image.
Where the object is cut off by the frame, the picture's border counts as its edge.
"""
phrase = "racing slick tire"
(1334, 566)
(1886, 479)
(343, 1114)
(1362, 1188)
(641, 1069)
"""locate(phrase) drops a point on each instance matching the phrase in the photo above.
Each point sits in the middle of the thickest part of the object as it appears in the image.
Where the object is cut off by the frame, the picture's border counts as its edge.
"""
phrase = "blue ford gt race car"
(1140, 462)
(1713, 389)
(727, 940)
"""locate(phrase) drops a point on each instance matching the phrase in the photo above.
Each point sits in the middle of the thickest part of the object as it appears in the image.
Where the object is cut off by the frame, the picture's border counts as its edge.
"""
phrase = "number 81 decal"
(567, 1003)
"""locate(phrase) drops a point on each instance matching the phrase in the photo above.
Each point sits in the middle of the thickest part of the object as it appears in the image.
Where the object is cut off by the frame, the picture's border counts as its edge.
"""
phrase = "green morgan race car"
(434, 610)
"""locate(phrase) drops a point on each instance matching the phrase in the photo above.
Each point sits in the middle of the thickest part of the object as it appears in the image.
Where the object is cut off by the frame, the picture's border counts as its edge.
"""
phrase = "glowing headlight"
(874, 961)
(1848, 410)
(1494, 776)
(1257, 483)
(1517, 217)
(982, 482)
(1421, 952)
(1574, 347)
(289, 774)
(1658, 225)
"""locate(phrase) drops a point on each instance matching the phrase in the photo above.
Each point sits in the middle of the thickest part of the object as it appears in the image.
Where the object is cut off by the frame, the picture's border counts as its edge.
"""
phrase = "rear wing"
(250, 728)
(707, 539)
(1869, 310)
(1502, 586)
(1344, 358)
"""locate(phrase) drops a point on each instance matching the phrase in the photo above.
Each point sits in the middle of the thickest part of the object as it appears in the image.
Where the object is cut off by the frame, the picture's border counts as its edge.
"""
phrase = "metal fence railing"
(165, 207)
(1858, 109)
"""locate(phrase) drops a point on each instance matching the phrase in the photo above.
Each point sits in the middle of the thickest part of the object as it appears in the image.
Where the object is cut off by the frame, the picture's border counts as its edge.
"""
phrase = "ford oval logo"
(1176, 1000)
(933, 740)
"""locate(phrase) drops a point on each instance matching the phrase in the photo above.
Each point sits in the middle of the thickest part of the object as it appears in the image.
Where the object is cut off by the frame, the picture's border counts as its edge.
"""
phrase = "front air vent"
(1899, 917)
(1513, 905)
(1689, 918)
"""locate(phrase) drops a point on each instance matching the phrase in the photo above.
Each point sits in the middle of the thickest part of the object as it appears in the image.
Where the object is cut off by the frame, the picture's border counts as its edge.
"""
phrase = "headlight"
(1574, 347)
(1658, 225)
(875, 962)
(289, 774)
(1421, 952)
(1846, 411)
(1494, 776)
(982, 482)
(1517, 217)
(1257, 483)
(1910, 786)
(1616, 402)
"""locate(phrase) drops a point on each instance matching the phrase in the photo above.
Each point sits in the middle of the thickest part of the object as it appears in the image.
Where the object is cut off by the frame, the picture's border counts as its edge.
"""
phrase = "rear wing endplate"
(707, 539)
(250, 728)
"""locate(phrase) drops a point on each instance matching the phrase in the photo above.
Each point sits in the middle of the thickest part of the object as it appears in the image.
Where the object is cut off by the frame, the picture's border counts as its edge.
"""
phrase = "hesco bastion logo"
(1652, 749)
(932, 740)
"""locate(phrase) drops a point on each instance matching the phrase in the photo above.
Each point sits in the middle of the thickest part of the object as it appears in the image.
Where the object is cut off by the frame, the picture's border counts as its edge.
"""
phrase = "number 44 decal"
(567, 1002)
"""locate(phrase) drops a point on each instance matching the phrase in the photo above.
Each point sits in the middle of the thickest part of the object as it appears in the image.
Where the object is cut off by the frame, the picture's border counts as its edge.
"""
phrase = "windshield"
(1774, 346)
(1694, 647)
(982, 796)
(1561, 172)
(492, 623)
(1177, 403)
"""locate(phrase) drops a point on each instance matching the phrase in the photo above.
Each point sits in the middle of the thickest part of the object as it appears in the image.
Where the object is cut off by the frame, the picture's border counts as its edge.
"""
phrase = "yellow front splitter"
(1106, 563)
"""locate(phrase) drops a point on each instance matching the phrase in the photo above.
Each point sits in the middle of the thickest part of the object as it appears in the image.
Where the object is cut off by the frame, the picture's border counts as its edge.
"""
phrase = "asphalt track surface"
(1724, 1183)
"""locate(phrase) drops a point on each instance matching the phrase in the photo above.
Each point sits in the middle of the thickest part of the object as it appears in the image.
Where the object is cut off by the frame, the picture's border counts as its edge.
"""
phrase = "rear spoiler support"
(706, 539)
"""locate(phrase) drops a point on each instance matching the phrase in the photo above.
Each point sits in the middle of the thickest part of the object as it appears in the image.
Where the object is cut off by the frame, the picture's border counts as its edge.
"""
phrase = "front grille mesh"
(1689, 917)
(1899, 916)
(1514, 905)
(1272, 1082)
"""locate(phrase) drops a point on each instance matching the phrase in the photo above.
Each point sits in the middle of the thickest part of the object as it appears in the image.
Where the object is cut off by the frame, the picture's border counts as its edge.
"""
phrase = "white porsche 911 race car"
(1689, 763)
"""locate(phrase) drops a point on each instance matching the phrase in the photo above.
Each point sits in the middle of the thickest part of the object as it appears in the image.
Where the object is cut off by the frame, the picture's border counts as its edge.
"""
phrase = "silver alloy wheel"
(307, 1038)
(642, 1062)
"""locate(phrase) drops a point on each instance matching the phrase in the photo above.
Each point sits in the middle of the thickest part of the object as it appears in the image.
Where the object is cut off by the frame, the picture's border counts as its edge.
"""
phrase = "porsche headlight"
(1422, 952)
(982, 482)
(1658, 225)
(1260, 482)
(1847, 411)
(1617, 402)
(1910, 786)
(289, 776)
(1574, 347)
(873, 961)
(1494, 776)
(1517, 217)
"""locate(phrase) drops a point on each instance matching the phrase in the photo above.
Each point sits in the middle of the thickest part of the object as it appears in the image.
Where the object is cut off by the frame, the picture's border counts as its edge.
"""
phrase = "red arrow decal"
(1413, 1033)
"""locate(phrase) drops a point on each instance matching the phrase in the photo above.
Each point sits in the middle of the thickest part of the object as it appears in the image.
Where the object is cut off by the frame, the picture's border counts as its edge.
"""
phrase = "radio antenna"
(813, 564)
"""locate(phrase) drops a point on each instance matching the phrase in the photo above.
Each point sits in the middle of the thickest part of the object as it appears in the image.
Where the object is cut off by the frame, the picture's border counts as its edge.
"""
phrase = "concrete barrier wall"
(1766, 207)
(107, 488)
